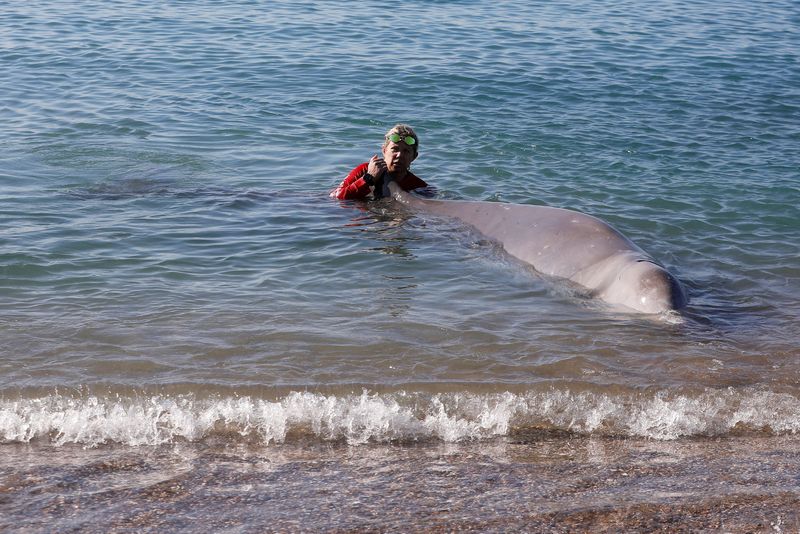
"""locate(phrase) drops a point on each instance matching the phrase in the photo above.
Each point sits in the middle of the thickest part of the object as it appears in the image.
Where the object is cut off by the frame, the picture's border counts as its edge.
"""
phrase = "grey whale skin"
(567, 244)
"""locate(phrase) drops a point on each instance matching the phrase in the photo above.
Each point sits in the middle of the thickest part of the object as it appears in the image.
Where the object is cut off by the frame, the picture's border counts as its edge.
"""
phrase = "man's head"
(400, 148)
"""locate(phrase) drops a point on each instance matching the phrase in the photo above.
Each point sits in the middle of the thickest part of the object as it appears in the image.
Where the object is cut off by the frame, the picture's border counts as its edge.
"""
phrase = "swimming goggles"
(395, 138)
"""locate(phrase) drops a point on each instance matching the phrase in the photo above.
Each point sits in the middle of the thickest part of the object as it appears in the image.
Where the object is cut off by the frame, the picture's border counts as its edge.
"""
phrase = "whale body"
(569, 245)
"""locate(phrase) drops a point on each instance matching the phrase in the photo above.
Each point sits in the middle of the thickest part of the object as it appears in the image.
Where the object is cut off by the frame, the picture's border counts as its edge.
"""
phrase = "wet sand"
(542, 483)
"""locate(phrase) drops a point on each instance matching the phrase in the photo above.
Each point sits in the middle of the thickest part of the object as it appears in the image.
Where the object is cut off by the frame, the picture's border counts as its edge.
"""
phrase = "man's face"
(398, 156)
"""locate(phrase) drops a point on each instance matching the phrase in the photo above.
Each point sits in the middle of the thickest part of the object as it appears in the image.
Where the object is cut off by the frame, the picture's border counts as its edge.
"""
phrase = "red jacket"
(355, 188)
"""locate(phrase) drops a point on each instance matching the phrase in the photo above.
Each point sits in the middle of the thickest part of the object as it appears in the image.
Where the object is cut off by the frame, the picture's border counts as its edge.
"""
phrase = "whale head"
(645, 287)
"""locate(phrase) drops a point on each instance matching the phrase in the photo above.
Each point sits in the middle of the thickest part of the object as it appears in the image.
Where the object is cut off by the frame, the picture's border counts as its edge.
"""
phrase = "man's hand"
(376, 167)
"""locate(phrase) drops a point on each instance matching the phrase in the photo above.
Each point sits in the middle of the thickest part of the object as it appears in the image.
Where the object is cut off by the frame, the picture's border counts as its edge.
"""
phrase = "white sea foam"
(371, 417)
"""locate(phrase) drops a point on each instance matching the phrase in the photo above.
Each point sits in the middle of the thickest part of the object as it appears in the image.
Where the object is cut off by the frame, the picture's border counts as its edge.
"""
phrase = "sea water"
(175, 276)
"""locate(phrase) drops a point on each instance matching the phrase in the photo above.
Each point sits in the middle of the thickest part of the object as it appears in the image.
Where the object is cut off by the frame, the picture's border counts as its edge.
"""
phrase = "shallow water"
(534, 483)
(173, 269)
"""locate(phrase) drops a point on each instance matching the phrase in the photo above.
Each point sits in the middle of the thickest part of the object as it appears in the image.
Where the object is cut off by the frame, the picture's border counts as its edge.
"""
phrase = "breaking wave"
(147, 420)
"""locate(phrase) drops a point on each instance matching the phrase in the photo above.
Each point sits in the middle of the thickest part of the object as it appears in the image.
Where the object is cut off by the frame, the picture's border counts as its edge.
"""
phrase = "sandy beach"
(545, 483)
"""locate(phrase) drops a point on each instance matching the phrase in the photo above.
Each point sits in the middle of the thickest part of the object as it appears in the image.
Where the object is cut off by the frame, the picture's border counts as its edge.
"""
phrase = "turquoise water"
(167, 229)
(172, 269)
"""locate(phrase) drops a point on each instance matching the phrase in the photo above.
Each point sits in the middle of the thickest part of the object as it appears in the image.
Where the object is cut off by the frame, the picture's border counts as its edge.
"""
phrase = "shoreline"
(552, 483)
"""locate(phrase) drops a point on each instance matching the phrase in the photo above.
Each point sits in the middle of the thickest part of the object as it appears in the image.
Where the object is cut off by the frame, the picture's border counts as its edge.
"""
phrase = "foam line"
(370, 417)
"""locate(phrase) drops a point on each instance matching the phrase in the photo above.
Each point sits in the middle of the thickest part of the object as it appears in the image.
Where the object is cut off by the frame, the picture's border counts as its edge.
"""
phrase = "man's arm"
(354, 186)
(357, 185)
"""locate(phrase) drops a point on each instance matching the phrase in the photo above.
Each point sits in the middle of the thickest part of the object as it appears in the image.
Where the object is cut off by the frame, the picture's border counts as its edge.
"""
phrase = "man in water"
(368, 180)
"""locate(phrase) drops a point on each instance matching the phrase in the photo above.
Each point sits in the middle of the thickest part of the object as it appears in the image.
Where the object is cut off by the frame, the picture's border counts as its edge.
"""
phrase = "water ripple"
(165, 171)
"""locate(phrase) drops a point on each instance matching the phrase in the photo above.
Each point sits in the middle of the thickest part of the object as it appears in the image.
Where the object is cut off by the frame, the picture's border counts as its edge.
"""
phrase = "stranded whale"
(568, 245)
